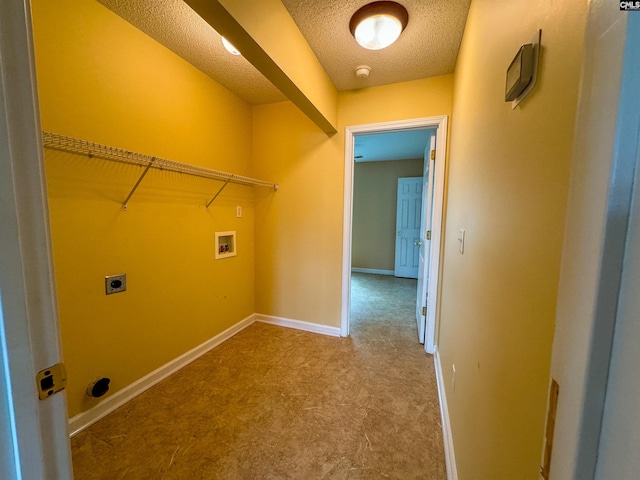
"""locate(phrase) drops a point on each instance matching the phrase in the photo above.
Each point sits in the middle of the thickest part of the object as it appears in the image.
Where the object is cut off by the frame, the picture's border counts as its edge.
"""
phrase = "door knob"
(417, 244)
(398, 233)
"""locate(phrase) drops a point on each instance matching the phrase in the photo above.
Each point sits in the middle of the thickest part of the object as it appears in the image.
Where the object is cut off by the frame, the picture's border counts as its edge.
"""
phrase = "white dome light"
(230, 48)
(378, 32)
(379, 24)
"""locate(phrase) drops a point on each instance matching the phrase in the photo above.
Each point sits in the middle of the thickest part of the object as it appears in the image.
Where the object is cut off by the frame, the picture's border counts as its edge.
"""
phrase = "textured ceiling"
(176, 26)
(428, 46)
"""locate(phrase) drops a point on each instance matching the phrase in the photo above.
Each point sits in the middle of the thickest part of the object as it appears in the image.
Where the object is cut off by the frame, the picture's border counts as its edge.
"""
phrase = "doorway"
(431, 264)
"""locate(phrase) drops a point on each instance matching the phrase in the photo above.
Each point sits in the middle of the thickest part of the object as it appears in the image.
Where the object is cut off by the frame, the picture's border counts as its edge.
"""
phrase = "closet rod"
(84, 147)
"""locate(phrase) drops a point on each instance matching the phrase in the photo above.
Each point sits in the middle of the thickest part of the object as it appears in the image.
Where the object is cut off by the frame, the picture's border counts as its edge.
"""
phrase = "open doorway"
(386, 223)
(387, 201)
(429, 239)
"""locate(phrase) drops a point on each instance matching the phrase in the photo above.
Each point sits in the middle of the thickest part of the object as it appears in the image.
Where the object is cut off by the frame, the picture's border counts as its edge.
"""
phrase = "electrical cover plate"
(115, 283)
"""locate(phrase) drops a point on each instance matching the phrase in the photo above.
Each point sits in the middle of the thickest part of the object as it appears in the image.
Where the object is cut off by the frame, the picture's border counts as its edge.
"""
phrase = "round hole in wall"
(98, 387)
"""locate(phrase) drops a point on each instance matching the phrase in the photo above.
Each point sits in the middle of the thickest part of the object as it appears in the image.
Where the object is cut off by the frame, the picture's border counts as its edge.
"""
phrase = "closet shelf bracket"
(135, 187)
(218, 193)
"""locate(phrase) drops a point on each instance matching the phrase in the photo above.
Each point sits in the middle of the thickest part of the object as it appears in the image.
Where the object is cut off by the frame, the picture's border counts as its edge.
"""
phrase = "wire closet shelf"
(91, 149)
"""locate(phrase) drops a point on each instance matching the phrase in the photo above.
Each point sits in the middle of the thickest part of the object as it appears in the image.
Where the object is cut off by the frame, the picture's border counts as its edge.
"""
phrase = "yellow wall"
(400, 101)
(375, 192)
(101, 79)
(508, 183)
(299, 230)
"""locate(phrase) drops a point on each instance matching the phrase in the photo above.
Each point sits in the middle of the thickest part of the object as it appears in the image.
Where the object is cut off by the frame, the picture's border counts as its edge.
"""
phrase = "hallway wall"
(101, 79)
(508, 184)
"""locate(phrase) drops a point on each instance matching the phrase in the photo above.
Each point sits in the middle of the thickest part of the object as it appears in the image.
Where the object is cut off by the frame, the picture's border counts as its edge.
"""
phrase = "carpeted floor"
(277, 403)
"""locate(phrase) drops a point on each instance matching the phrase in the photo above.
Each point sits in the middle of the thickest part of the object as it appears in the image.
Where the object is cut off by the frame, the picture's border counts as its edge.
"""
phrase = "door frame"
(621, 126)
(440, 124)
(37, 431)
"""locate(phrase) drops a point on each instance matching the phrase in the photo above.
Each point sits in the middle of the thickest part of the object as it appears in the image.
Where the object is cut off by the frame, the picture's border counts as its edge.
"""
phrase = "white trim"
(298, 325)
(372, 271)
(37, 444)
(436, 236)
(440, 123)
(621, 124)
(349, 163)
(449, 455)
(85, 419)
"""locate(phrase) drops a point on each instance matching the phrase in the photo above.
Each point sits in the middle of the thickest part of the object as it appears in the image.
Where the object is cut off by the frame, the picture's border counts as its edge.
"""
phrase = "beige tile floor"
(277, 403)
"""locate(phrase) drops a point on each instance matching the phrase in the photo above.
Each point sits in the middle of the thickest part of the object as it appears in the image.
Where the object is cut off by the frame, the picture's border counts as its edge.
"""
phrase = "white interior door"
(34, 433)
(409, 209)
(425, 238)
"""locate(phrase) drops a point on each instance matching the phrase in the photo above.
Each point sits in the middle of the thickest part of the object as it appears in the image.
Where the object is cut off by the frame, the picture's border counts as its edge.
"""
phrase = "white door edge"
(28, 312)
(427, 213)
(440, 123)
(437, 224)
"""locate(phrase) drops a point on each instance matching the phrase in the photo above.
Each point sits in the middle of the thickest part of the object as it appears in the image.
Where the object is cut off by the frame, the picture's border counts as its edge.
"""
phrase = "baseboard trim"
(299, 325)
(373, 271)
(83, 420)
(449, 455)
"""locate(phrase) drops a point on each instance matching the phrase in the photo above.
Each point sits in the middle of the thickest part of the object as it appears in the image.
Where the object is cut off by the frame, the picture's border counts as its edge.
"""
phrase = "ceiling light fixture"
(377, 25)
(230, 48)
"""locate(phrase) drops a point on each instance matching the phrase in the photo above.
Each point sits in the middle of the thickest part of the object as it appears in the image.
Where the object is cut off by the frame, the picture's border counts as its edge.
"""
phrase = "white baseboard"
(299, 325)
(374, 271)
(109, 404)
(449, 455)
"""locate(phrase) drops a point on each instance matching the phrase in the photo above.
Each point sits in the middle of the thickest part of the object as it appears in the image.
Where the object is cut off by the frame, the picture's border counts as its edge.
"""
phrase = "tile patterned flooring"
(277, 403)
